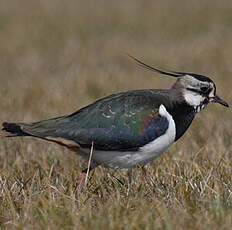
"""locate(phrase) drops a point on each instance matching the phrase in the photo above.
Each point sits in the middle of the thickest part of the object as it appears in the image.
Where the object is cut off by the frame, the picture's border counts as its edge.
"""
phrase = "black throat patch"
(183, 115)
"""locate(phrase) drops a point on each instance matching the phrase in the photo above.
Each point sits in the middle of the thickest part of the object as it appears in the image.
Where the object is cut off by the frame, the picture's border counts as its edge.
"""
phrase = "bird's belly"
(126, 160)
(145, 154)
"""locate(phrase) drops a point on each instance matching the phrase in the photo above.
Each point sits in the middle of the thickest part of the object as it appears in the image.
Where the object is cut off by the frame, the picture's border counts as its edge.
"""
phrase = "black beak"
(217, 99)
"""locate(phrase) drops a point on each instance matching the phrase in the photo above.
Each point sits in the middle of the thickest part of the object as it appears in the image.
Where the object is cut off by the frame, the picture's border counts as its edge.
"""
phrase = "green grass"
(58, 56)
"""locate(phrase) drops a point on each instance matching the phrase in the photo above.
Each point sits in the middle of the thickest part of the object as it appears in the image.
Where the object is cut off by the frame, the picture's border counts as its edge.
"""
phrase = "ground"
(58, 56)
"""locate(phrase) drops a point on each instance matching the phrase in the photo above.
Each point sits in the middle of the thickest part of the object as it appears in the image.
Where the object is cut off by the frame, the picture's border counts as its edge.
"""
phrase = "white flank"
(145, 154)
(160, 144)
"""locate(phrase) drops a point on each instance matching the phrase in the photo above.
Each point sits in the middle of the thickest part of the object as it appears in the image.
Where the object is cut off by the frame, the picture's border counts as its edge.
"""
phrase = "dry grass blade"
(89, 163)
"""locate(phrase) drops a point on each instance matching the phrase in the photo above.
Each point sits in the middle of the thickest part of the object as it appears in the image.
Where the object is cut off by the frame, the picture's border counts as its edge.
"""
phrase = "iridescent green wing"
(123, 121)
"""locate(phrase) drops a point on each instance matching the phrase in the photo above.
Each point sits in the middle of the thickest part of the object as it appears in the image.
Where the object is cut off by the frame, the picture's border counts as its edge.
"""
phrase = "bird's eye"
(205, 89)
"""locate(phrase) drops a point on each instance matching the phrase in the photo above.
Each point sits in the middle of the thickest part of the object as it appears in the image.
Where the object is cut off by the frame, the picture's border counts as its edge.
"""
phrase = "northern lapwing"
(130, 128)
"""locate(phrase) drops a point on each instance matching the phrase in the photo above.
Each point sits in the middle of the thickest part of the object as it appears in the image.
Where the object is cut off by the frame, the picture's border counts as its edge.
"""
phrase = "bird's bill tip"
(217, 99)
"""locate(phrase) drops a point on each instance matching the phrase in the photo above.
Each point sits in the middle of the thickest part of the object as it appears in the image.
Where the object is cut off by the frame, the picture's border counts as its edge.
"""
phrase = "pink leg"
(82, 177)
(81, 182)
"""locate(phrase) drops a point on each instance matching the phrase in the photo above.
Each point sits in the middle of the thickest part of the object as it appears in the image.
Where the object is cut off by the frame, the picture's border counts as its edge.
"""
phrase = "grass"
(58, 56)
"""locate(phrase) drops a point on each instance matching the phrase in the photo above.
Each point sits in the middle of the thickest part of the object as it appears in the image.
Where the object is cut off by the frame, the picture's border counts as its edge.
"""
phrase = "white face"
(193, 98)
(197, 93)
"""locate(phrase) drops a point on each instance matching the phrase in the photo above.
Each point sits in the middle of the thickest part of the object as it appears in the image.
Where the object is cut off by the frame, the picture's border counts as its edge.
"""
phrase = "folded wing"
(123, 121)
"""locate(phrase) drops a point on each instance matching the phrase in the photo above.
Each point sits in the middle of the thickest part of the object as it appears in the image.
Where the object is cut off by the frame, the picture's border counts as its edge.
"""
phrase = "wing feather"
(124, 121)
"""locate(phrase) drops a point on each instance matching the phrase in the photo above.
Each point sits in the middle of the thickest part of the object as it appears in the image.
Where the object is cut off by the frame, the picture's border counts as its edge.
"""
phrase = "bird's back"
(120, 122)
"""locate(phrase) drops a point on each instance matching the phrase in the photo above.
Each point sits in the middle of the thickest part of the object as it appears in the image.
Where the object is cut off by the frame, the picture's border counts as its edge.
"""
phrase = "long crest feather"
(151, 68)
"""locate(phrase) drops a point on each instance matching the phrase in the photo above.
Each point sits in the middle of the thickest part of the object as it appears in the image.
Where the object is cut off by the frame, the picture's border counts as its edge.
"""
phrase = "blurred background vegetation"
(57, 56)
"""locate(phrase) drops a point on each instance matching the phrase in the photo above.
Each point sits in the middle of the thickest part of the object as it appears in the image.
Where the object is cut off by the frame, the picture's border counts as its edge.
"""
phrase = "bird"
(127, 129)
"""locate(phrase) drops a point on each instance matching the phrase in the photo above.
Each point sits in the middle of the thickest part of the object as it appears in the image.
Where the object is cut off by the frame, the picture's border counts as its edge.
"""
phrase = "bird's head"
(197, 90)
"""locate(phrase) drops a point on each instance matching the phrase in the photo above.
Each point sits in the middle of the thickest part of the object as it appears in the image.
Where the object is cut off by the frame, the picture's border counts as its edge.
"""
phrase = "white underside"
(145, 154)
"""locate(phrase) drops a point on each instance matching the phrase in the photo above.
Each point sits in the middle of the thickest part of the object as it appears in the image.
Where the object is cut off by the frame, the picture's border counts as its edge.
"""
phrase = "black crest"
(170, 72)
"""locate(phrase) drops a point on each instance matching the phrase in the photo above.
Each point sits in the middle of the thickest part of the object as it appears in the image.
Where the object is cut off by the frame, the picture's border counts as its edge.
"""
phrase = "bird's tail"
(41, 129)
(13, 129)
(50, 130)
